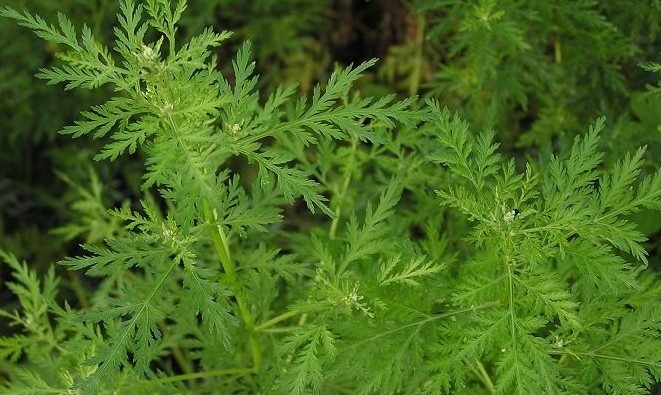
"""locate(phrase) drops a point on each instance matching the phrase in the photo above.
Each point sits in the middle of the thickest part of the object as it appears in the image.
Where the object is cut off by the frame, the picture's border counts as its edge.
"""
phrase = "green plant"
(521, 282)
(535, 71)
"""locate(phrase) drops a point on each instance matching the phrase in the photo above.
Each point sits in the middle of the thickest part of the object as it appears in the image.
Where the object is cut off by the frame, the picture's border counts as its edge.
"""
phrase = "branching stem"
(275, 320)
(221, 247)
(345, 187)
(482, 375)
(201, 375)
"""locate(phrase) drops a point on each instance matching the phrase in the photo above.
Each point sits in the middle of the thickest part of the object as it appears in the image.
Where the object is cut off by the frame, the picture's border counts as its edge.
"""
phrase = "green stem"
(78, 290)
(177, 354)
(425, 321)
(344, 189)
(98, 18)
(417, 58)
(577, 354)
(222, 251)
(484, 377)
(275, 320)
(557, 50)
(200, 375)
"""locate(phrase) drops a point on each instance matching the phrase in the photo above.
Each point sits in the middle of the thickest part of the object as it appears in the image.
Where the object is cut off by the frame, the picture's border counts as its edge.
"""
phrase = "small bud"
(510, 216)
(167, 107)
(148, 53)
(168, 232)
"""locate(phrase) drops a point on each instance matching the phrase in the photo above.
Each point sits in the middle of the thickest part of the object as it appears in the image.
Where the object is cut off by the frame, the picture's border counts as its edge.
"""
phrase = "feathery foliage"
(332, 243)
(550, 246)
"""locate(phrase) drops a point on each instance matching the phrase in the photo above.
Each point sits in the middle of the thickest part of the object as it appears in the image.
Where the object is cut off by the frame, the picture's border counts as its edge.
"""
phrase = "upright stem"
(344, 189)
(484, 377)
(222, 251)
(557, 50)
(417, 59)
(178, 355)
(78, 290)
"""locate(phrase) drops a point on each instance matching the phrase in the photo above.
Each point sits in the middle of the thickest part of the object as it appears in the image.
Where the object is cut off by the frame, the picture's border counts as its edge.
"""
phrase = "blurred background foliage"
(535, 72)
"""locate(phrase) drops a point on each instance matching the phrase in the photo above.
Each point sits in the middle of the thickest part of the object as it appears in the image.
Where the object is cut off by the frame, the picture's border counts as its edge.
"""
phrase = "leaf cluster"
(426, 261)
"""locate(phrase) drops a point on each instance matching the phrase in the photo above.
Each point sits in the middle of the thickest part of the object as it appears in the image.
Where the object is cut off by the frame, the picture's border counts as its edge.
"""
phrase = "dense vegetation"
(262, 206)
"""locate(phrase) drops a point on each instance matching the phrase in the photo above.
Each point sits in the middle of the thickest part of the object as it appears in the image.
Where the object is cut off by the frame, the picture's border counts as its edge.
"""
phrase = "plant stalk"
(221, 247)
(417, 57)
(275, 320)
(343, 191)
